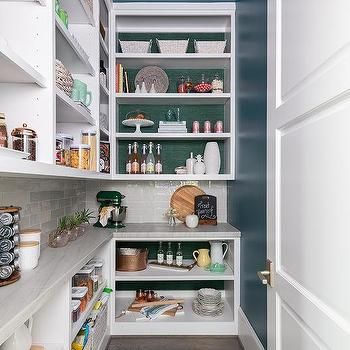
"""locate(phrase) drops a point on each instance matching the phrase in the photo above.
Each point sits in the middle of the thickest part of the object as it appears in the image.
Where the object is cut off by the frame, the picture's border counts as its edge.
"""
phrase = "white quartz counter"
(162, 231)
(20, 300)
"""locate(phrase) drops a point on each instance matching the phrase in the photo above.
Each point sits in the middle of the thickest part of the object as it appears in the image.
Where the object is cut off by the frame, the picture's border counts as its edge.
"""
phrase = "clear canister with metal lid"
(88, 137)
(26, 140)
(80, 156)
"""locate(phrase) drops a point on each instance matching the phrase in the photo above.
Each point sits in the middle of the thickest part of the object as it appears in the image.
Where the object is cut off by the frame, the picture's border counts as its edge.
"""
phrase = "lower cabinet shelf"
(186, 322)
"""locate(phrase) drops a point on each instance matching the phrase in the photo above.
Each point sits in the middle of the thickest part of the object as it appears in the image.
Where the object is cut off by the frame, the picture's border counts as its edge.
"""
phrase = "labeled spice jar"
(75, 305)
(3, 131)
(84, 279)
(9, 215)
(217, 84)
(25, 140)
(80, 293)
(88, 137)
(63, 144)
(80, 156)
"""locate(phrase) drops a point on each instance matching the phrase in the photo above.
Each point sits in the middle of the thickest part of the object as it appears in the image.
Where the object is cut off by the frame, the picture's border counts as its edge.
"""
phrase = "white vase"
(212, 158)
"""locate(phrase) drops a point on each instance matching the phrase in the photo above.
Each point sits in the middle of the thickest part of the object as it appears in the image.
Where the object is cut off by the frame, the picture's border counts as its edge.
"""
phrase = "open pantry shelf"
(79, 12)
(172, 61)
(162, 274)
(83, 316)
(14, 69)
(172, 136)
(172, 98)
(173, 177)
(68, 111)
(185, 323)
(69, 52)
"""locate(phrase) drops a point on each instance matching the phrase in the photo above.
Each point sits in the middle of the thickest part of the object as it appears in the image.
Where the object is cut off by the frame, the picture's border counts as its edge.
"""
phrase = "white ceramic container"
(212, 158)
(192, 221)
(31, 234)
(28, 255)
(216, 254)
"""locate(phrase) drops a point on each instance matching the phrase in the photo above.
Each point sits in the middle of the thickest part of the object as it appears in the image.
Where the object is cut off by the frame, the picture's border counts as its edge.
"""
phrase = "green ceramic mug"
(64, 16)
(80, 93)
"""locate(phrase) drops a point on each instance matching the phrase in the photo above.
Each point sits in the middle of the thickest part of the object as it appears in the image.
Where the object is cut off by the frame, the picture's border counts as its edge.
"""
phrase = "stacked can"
(9, 240)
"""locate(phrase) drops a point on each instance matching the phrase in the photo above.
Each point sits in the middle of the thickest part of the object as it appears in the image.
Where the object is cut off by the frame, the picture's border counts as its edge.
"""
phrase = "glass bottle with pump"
(144, 159)
(179, 255)
(150, 160)
(128, 160)
(159, 165)
(169, 255)
(160, 254)
(135, 159)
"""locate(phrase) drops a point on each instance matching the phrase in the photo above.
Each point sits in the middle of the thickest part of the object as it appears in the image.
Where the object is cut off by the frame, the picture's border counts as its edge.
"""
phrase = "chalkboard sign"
(205, 208)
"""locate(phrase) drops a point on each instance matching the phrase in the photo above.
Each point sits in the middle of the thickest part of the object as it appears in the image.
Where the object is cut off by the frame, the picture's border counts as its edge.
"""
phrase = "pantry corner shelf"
(69, 52)
(170, 98)
(104, 46)
(173, 177)
(79, 12)
(166, 274)
(172, 136)
(176, 61)
(14, 69)
(83, 316)
(69, 111)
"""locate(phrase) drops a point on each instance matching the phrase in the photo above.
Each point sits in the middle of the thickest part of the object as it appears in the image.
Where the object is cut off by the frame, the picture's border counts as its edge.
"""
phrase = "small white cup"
(28, 255)
(31, 234)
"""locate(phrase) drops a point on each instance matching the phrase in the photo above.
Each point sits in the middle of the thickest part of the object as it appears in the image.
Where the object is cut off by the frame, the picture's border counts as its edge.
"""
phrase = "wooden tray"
(12, 279)
(183, 200)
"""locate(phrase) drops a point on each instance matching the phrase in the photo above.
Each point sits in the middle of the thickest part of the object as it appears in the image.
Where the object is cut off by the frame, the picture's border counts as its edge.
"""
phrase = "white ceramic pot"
(216, 254)
(21, 339)
(199, 166)
(192, 221)
(31, 234)
(212, 158)
(28, 255)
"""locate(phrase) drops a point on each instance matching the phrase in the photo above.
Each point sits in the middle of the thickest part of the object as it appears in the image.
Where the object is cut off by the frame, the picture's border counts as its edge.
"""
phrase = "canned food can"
(207, 126)
(195, 127)
(219, 126)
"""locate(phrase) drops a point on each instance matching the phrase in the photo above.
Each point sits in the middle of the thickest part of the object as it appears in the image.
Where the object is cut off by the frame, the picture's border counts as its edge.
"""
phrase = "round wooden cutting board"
(183, 200)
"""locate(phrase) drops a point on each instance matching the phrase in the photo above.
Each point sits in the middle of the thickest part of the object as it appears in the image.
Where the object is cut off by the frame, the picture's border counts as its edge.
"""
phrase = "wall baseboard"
(246, 333)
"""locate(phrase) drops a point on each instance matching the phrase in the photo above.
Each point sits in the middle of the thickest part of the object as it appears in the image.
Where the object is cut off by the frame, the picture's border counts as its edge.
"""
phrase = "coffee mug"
(31, 235)
(80, 93)
(28, 255)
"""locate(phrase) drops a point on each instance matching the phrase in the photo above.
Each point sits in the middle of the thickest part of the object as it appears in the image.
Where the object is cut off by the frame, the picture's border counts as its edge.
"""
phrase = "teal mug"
(80, 93)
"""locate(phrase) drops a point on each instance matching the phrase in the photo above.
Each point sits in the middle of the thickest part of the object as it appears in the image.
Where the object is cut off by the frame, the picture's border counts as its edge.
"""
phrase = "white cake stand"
(138, 123)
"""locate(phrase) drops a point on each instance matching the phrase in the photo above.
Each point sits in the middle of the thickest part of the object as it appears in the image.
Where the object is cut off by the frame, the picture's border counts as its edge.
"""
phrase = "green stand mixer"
(111, 212)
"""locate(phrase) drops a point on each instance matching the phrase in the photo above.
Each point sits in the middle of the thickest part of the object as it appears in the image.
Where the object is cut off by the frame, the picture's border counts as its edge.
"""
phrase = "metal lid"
(61, 135)
(75, 304)
(89, 132)
(82, 145)
(87, 269)
(24, 131)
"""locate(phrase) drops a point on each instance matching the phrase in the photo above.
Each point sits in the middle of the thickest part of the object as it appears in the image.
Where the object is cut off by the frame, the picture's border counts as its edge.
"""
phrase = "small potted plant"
(83, 218)
(72, 227)
(59, 237)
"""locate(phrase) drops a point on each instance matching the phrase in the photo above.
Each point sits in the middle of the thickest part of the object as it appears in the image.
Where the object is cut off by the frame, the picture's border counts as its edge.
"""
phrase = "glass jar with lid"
(88, 137)
(217, 84)
(25, 140)
(3, 131)
(63, 143)
(80, 156)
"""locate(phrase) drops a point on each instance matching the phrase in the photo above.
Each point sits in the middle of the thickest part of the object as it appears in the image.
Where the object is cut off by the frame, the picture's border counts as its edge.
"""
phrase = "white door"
(309, 174)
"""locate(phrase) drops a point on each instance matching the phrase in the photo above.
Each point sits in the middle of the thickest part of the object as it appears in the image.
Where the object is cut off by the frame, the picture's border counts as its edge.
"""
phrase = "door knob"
(266, 276)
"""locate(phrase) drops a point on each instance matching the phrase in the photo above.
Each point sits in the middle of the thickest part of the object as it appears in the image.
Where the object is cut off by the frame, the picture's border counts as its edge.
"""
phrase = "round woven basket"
(64, 79)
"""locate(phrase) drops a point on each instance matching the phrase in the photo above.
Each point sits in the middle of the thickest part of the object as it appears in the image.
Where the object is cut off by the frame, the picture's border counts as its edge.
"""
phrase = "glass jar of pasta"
(80, 156)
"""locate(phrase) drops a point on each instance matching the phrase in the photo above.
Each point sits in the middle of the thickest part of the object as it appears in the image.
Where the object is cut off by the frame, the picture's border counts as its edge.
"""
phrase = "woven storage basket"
(129, 263)
(64, 79)
(209, 46)
(134, 46)
(99, 328)
(172, 46)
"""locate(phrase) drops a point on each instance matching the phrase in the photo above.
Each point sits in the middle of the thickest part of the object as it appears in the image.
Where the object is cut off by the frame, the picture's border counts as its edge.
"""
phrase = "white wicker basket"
(172, 46)
(99, 328)
(209, 46)
(134, 46)
(64, 79)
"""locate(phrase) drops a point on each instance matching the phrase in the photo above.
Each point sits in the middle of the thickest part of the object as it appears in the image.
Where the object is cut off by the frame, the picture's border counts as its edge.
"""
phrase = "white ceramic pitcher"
(21, 339)
(216, 255)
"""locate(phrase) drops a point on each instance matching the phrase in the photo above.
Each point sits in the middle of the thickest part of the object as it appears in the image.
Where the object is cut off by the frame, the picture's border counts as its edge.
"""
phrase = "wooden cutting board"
(183, 200)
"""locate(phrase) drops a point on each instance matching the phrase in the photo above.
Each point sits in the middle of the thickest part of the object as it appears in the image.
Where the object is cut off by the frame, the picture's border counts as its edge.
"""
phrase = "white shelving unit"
(79, 12)
(186, 322)
(172, 136)
(69, 111)
(14, 69)
(104, 46)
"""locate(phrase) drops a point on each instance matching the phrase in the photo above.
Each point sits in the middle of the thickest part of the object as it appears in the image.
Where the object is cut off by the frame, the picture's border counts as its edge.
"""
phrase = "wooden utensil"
(157, 303)
(183, 200)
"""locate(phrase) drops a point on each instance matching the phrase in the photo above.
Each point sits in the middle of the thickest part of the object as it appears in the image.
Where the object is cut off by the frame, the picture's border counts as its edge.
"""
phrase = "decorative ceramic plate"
(150, 74)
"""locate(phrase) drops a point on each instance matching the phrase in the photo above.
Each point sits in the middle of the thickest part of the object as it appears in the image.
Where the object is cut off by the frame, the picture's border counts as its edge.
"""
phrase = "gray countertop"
(20, 300)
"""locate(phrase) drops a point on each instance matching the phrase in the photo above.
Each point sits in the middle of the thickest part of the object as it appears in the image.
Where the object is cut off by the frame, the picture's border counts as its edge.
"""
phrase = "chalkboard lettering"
(205, 208)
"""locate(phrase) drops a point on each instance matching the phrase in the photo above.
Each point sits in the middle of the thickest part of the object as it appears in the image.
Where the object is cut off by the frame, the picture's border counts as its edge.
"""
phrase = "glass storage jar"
(88, 137)
(98, 263)
(3, 131)
(80, 156)
(84, 279)
(75, 305)
(80, 293)
(63, 144)
(25, 140)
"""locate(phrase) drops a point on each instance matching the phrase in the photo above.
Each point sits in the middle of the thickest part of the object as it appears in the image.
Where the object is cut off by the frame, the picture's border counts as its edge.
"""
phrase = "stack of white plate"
(208, 303)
